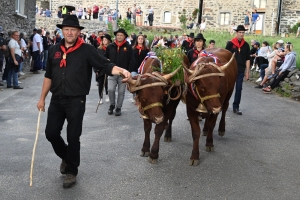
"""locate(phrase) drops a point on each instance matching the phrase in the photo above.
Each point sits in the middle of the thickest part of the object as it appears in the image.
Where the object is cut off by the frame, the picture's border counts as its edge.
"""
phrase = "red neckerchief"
(104, 48)
(235, 41)
(196, 51)
(120, 44)
(63, 62)
(190, 42)
(139, 48)
(99, 40)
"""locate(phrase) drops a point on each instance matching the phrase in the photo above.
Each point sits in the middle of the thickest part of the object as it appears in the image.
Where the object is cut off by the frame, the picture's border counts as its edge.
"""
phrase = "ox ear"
(223, 67)
(187, 69)
(168, 76)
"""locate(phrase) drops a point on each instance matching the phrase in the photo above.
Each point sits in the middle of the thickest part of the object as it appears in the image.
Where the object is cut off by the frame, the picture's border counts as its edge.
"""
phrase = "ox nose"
(216, 110)
(158, 120)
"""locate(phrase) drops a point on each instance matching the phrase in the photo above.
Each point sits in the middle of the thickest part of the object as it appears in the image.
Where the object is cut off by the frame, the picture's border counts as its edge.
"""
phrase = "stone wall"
(50, 24)
(159, 6)
(10, 21)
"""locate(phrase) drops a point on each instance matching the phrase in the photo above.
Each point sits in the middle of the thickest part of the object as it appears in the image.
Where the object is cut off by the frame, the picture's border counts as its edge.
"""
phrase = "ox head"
(206, 78)
(151, 94)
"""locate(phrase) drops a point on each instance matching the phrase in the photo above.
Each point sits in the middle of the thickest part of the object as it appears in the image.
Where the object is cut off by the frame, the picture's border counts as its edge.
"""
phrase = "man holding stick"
(68, 77)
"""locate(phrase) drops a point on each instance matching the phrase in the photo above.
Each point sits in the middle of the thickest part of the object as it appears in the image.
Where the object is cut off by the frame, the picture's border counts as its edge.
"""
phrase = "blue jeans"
(238, 90)
(12, 73)
(36, 56)
(262, 70)
(45, 58)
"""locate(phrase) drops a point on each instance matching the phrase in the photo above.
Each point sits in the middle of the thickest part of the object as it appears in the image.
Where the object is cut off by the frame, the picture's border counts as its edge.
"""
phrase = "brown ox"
(211, 87)
(157, 101)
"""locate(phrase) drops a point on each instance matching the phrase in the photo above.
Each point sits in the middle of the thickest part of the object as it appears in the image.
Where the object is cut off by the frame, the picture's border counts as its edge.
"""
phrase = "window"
(20, 6)
(259, 3)
(167, 17)
(224, 19)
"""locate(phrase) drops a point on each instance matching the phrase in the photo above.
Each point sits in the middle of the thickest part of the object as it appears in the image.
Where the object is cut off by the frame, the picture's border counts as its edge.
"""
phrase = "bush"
(294, 28)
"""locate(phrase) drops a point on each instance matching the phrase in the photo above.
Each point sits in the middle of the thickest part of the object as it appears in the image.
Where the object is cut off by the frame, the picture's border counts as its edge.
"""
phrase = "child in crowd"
(146, 20)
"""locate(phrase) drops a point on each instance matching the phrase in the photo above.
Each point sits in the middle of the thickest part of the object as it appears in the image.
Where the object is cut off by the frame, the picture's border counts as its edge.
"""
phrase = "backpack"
(7, 51)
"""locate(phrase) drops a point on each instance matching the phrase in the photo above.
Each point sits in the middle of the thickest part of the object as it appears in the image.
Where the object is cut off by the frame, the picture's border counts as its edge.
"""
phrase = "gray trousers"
(113, 81)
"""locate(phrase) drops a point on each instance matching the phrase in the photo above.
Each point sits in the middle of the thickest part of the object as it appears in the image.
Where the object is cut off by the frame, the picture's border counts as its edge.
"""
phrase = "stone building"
(17, 15)
(276, 15)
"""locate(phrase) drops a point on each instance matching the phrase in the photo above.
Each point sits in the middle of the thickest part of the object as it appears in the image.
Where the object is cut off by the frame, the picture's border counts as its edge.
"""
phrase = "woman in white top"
(202, 26)
(14, 60)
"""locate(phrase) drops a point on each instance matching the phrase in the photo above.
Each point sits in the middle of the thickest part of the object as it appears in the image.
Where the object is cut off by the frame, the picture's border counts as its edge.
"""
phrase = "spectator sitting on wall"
(48, 13)
(190, 23)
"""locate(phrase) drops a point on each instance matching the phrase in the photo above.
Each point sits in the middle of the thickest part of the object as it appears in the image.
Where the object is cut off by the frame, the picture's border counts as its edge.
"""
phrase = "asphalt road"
(258, 158)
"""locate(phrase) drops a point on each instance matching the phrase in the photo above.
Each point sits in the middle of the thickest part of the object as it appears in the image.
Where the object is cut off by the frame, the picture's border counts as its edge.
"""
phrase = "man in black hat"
(194, 53)
(188, 44)
(119, 52)
(242, 55)
(68, 77)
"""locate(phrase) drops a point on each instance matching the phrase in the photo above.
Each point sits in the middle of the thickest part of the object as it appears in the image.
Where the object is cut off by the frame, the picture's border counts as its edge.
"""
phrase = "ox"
(210, 87)
(157, 100)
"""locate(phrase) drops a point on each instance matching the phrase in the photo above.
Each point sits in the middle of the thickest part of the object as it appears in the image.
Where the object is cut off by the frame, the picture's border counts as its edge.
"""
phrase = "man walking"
(68, 77)
(119, 52)
(242, 55)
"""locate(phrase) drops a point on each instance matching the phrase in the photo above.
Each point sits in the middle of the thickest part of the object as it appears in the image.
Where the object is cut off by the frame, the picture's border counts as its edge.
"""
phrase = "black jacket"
(242, 56)
(75, 78)
(123, 58)
(193, 55)
(138, 58)
(186, 46)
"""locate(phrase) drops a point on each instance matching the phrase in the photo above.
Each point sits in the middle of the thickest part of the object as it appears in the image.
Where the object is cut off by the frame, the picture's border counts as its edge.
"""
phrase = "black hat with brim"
(121, 30)
(240, 28)
(200, 37)
(107, 36)
(70, 20)
(192, 35)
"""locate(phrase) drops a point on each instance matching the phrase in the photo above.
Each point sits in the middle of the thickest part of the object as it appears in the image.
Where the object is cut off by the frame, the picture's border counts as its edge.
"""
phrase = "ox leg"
(222, 123)
(159, 129)
(205, 128)
(168, 134)
(194, 121)
(224, 110)
(211, 121)
(146, 146)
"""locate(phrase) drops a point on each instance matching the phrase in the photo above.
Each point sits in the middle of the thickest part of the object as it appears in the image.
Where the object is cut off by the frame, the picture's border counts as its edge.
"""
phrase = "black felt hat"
(70, 20)
(121, 30)
(200, 36)
(240, 28)
(107, 36)
(192, 35)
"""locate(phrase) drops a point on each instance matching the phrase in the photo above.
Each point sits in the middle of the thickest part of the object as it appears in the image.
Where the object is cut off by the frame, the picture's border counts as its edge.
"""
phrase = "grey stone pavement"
(258, 158)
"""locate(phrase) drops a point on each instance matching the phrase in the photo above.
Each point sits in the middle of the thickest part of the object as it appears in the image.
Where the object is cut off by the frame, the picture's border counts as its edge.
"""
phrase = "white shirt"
(23, 44)
(37, 38)
(13, 44)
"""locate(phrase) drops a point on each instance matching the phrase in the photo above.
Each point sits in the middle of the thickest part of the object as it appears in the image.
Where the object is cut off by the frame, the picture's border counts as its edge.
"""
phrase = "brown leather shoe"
(63, 166)
(69, 181)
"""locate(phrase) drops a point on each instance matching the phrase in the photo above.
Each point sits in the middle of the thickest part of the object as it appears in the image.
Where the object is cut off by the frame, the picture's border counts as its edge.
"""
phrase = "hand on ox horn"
(125, 75)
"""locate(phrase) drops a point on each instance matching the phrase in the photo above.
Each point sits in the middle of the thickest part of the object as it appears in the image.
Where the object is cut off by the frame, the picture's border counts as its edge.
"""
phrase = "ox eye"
(202, 89)
(144, 100)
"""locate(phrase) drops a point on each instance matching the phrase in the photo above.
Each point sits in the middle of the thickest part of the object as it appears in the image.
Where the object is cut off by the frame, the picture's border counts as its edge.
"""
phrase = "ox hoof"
(210, 149)
(152, 161)
(167, 139)
(194, 162)
(144, 154)
(204, 133)
(221, 133)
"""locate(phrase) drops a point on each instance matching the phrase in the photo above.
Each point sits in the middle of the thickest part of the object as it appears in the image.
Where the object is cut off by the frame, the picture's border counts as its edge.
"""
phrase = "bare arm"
(45, 89)
(247, 69)
(118, 70)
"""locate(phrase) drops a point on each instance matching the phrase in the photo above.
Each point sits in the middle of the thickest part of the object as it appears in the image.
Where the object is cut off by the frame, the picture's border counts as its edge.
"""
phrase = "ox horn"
(168, 76)
(187, 69)
(223, 67)
(131, 81)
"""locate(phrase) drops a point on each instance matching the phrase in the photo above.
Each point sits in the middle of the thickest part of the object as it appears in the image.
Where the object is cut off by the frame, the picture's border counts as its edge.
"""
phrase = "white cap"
(280, 41)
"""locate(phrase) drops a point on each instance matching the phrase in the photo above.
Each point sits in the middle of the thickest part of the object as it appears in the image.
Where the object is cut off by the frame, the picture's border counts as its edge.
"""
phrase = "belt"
(68, 97)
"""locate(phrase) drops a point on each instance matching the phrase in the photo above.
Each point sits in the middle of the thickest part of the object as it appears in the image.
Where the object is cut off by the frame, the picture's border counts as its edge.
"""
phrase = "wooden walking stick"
(34, 146)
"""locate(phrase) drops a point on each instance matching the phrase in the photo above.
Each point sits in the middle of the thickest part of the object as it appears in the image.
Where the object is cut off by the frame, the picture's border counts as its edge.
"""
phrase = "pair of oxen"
(207, 89)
